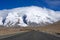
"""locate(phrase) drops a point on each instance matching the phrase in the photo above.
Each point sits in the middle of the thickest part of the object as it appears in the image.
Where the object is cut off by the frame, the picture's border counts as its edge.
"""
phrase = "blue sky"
(51, 4)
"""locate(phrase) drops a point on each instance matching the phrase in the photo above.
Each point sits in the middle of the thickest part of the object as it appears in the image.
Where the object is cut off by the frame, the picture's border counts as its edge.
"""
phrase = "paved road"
(32, 35)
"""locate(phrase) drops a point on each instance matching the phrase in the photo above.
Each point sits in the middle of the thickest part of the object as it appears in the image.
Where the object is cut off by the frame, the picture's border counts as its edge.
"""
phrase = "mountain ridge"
(25, 16)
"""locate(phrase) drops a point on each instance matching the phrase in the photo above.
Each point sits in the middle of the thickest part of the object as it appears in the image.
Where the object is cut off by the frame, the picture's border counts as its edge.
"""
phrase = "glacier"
(25, 16)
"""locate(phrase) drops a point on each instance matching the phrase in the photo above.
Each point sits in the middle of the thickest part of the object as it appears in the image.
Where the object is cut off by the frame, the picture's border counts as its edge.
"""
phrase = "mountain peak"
(25, 16)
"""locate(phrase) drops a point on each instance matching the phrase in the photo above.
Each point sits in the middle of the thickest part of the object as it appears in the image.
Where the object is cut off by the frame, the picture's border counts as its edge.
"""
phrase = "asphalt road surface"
(32, 35)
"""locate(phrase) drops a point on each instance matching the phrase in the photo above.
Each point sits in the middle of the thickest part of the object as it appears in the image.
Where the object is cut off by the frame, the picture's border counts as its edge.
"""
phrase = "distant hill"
(52, 28)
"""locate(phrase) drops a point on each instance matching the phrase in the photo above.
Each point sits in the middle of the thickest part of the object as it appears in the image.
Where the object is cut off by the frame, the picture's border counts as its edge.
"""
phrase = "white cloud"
(53, 2)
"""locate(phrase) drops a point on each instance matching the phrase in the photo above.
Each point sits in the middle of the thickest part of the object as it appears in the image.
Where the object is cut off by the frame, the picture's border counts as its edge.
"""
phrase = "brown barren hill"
(52, 28)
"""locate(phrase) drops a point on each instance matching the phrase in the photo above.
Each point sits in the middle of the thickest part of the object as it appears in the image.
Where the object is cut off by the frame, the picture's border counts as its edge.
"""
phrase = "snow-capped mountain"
(32, 15)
